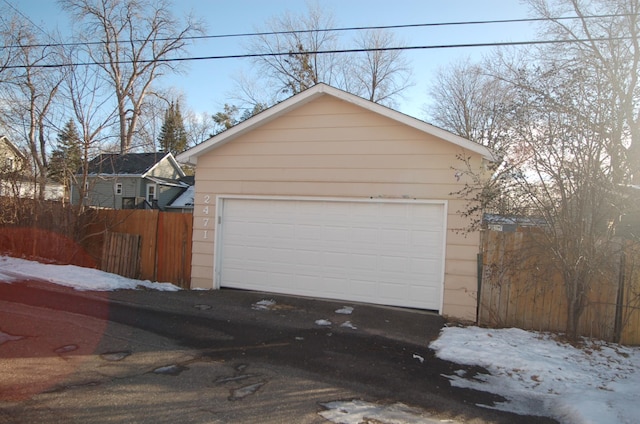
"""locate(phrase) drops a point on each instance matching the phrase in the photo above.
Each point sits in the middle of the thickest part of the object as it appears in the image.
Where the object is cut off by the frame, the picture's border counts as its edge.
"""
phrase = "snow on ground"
(14, 269)
(263, 305)
(535, 373)
(357, 412)
(539, 375)
(4, 337)
(345, 310)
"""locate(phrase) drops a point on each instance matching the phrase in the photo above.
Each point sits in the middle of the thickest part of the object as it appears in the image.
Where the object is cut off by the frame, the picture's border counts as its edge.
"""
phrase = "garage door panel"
(365, 236)
(398, 292)
(424, 266)
(307, 258)
(306, 232)
(425, 244)
(378, 252)
(416, 292)
(394, 238)
(363, 262)
(394, 264)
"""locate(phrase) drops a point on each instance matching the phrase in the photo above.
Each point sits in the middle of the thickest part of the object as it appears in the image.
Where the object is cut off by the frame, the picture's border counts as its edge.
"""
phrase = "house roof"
(167, 181)
(134, 164)
(184, 200)
(17, 152)
(191, 156)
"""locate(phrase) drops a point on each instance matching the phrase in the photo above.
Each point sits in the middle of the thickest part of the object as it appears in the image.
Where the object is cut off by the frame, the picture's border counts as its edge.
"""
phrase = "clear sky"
(207, 84)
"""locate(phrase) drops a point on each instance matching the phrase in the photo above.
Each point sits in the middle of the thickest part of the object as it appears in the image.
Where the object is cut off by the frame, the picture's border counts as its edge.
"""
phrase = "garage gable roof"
(191, 156)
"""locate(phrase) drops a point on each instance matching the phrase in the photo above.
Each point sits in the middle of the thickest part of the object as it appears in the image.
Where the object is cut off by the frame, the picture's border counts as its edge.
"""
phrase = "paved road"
(216, 357)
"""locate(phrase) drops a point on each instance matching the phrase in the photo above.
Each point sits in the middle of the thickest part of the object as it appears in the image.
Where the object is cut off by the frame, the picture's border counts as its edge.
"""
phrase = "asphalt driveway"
(218, 357)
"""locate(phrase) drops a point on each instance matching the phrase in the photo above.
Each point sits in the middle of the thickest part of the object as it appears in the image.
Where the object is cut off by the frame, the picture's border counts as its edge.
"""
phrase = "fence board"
(631, 298)
(121, 254)
(174, 248)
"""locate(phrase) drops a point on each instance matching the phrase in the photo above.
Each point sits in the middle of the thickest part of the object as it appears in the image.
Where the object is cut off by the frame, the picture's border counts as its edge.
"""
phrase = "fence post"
(159, 234)
(617, 326)
(479, 260)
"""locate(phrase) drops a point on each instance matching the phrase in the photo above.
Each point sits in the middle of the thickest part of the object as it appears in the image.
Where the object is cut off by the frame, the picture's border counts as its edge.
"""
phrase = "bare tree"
(611, 47)
(296, 52)
(381, 73)
(469, 102)
(474, 101)
(566, 127)
(300, 36)
(567, 180)
(199, 127)
(94, 111)
(10, 26)
(139, 38)
(28, 95)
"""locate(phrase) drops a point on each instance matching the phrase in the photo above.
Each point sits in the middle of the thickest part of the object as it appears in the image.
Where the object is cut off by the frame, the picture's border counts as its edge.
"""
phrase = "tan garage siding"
(332, 148)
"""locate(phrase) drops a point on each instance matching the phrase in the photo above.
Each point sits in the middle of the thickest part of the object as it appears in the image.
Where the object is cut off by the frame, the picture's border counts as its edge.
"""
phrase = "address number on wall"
(205, 220)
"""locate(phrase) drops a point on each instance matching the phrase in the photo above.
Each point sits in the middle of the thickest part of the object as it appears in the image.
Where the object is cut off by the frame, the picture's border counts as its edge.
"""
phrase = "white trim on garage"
(306, 96)
(409, 294)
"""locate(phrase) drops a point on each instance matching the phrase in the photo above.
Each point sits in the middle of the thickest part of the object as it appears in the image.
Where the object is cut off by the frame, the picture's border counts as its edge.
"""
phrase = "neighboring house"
(16, 177)
(511, 223)
(11, 158)
(184, 201)
(329, 195)
(131, 181)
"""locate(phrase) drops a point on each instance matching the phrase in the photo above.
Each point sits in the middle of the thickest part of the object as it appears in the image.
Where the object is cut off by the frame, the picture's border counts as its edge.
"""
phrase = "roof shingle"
(126, 164)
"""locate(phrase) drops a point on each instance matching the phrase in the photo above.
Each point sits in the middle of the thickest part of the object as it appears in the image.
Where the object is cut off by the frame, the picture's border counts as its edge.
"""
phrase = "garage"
(382, 251)
(329, 195)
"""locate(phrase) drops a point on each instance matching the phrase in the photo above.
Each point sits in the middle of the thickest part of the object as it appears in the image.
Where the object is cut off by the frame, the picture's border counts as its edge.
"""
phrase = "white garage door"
(382, 252)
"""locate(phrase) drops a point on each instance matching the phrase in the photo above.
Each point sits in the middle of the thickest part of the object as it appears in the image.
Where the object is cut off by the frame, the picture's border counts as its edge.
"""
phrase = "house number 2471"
(205, 220)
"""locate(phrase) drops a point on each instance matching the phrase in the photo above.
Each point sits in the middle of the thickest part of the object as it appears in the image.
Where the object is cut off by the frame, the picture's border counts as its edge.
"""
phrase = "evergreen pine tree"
(67, 158)
(173, 136)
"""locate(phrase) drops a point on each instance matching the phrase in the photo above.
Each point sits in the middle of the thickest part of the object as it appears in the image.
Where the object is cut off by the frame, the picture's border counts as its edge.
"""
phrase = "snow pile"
(14, 269)
(357, 412)
(263, 305)
(348, 324)
(5, 337)
(538, 375)
(345, 310)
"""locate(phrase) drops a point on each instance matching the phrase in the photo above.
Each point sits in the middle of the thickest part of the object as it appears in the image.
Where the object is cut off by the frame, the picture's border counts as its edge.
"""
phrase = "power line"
(343, 29)
(25, 17)
(337, 51)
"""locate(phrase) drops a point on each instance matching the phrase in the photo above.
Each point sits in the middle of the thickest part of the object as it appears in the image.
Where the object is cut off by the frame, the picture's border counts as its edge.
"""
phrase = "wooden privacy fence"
(519, 288)
(163, 241)
(42, 230)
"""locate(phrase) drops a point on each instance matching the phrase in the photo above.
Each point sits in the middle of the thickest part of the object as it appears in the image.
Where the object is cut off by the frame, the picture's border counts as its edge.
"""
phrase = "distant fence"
(520, 289)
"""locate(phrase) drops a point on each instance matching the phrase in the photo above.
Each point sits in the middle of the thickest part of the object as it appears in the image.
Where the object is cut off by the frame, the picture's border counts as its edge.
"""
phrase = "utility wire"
(337, 51)
(28, 19)
(306, 31)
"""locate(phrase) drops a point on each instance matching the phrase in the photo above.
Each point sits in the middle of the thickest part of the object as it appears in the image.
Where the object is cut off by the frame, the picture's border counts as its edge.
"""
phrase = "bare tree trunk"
(137, 36)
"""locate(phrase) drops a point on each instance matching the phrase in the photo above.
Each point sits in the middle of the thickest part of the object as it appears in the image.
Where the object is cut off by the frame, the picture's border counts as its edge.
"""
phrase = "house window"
(9, 164)
(118, 189)
(151, 193)
(86, 189)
